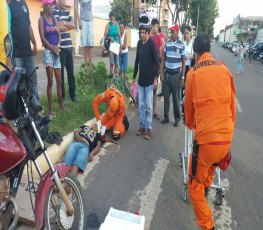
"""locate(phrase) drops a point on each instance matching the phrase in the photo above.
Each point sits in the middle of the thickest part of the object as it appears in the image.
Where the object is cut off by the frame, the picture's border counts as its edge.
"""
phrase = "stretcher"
(184, 160)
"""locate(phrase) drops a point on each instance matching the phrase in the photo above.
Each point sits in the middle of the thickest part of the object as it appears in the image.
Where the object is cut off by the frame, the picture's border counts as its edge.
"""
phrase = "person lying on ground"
(86, 144)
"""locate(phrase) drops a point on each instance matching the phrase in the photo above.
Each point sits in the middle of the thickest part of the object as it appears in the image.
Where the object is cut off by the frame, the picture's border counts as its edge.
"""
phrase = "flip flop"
(52, 114)
(156, 116)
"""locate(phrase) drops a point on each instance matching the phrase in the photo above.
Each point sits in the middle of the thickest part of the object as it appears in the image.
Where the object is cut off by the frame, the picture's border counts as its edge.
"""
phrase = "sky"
(229, 9)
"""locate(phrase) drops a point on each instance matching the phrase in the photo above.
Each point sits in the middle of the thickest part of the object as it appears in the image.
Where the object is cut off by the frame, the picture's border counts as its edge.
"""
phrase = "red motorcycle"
(59, 201)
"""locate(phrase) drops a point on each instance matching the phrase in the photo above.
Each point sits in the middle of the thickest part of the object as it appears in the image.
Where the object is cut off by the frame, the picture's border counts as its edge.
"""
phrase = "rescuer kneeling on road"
(115, 114)
(210, 110)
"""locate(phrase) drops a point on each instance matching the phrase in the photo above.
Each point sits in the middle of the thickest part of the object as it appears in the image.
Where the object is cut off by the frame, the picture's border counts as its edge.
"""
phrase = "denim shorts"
(77, 154)
(87, 34)
(123, 62)
(51, 59)
(114, 59)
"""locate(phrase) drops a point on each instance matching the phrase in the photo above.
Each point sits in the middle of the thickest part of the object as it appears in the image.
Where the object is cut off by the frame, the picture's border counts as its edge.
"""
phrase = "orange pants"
(208, 155)
(113, 117)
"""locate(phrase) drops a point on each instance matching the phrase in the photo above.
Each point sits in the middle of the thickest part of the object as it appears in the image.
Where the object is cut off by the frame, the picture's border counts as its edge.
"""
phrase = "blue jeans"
(29, 64)
(123, 62)
(239, 64)
(77, 154)
(114, 59)
(146, 106)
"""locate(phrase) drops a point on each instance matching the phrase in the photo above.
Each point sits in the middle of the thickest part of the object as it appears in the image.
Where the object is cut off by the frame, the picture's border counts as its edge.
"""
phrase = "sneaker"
(165, 121)
(161, 98)
(74, 99)
(148, 135)
(160, 94)
(140, 131)
(176, 124)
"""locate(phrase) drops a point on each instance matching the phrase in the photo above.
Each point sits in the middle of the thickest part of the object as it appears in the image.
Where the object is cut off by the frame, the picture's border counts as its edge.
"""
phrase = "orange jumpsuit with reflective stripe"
(113, 117)
(210, 109)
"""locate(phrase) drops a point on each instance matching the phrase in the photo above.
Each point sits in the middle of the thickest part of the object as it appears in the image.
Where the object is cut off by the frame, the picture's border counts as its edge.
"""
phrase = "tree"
(122, 10)
(208, 11)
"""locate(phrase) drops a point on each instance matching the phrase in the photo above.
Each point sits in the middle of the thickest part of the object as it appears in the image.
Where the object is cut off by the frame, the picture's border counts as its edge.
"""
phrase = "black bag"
(126, 122)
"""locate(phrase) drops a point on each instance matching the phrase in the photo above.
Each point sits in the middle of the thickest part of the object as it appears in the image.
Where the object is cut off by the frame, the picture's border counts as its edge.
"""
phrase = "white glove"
(103, 130)
(99, 125)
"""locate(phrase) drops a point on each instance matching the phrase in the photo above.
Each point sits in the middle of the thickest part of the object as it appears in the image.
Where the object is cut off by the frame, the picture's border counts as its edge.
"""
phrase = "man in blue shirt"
(173, 75)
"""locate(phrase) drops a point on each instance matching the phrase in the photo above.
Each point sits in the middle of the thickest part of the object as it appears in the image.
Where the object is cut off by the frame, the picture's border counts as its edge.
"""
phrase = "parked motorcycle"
(58, 199)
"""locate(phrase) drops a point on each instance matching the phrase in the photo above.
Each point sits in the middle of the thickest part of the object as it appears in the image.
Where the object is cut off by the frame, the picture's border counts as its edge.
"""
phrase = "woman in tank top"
(50, 37)
(123, 58)
(112, 33)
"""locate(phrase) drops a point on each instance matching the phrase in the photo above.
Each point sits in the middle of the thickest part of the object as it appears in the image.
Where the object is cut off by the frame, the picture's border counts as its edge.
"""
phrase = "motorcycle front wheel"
(55, 215)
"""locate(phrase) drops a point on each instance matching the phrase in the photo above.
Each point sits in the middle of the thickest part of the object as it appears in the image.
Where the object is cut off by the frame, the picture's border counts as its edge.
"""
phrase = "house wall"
(221, 36)
(35, 7)
(259, 37)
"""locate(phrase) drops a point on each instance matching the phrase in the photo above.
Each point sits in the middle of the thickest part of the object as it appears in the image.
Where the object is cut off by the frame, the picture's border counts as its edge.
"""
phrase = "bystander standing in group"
(240, 57)
(210, 110)
(22, 35)
(123, 59)
(66, 24)
(188, 45)
(86, 25)
(148, 62)
(174, 72)
(159, 42)
(50, 37)
(112, 33)
(189, 55)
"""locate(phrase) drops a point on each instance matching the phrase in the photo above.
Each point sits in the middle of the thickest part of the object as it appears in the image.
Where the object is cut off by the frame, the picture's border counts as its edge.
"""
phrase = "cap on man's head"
(44, 2)
(175, 27)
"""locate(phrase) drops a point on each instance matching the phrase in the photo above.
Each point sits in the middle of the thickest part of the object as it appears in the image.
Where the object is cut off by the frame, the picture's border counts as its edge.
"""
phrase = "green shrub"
(129, 69)
(88, 79)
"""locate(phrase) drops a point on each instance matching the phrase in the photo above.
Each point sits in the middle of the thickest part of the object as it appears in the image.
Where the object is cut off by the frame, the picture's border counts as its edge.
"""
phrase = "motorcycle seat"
(4, 76)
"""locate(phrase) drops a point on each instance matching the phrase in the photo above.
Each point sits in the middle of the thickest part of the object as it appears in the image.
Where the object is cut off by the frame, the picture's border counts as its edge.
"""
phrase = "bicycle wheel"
(129, 93)
(55, 214)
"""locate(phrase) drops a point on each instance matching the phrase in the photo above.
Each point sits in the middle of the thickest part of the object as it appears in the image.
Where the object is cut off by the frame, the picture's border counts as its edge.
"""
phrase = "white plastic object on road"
(103, 130)
(99, 125)
(120, 220)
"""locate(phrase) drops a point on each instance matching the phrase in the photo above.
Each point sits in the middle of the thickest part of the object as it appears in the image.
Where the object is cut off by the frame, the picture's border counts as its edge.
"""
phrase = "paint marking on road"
(149, 196)
(239, 109)
(222, 214)
(132, 115)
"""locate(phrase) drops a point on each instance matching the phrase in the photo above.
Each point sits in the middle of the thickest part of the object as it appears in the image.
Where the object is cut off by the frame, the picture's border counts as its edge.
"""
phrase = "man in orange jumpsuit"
(210, 110)
(115, 114)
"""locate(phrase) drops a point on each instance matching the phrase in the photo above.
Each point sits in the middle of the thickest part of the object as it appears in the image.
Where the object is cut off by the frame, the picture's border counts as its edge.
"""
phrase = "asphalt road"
(139, 175)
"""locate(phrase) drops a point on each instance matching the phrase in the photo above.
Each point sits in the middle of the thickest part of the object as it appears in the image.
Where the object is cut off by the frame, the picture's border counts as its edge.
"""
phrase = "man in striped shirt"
(66, 55)
(174, 63)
